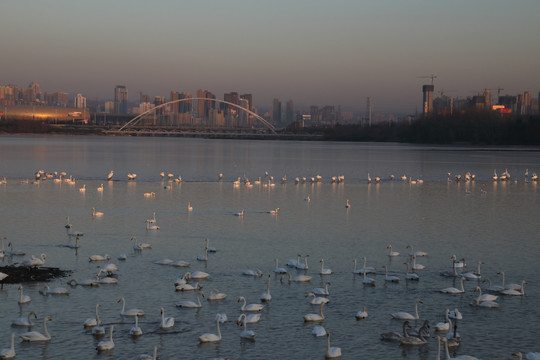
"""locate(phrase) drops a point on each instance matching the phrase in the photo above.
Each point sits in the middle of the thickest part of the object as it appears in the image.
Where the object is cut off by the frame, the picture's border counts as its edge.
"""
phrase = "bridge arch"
(255, 115)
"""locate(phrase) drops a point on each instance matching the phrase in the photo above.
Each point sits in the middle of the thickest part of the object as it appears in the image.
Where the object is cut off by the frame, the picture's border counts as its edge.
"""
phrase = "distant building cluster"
(206, 110)
(32, 95)
(521, 104)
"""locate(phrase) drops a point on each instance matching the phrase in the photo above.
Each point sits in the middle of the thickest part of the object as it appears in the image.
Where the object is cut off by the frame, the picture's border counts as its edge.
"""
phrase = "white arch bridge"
(135, 123)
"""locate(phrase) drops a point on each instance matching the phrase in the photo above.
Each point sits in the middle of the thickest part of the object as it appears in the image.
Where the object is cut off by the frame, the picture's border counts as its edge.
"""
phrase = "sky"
(313, 52)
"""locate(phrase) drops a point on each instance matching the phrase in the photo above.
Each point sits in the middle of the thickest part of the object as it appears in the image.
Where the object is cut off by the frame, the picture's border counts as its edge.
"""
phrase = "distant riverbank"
(473, 129)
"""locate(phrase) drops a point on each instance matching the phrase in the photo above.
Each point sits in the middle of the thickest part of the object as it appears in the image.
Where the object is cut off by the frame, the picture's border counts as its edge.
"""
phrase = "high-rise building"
(120, 99)
(289, 111)
(249, 98)
(276, 112)
(80, 101)
(427, 90)
(233, 98)
(203, 106)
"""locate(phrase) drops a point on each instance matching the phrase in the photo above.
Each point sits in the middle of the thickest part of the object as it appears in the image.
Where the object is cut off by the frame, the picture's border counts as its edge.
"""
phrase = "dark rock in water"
(21, 274)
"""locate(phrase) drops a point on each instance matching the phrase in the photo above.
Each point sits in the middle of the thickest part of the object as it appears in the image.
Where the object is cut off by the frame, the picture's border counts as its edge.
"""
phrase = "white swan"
(446, 325)
(223, 316)
(249, 307)
(315, 317)
(15, 252)
(180, 263)
(402, 315)
(245, 334)
(416, 266)
(472, 275)
(37, 336)
(241, 213)
(34, 261)
(362, 314)
(96, 213)
(460, 357)
(300, 278)
(135, 329)
(183, 280)
(166, 322)
(215, 294)
(83, 188)
(106, 344)
(455, 314)
(189, 207)
(110, 176)
(252, 272)
(279, 270)
(390, 252)
(86, 282)
(45, 290)
(528, 356)
(100, 188)
(452, 273)
(109, 268)
(165, 261)
(324, 271)
(293, 262)
(205, 256)
(188, 287)
(199, 275)
(367, 269)
(139, 245)
(347, 204)
(91, 322)
(396, 336)
(318, 331)
(510, 286)
(9, 353)
(416, 253)
(317, 300)
(367, 280)
(130, 312)
(99, 258)
(189, 303)
(515, 292)
(210, 249)
(151, 226)
(23, 299)
(274, 212)
(409, 275)
(331, 351)
(208, 337)
(149, 357)
(321, 291)
(24, 320)
(266, 296)
(453, 290)
(98, 330)
(485, 297)
(304, 265)
(391, 278)
(107, 280)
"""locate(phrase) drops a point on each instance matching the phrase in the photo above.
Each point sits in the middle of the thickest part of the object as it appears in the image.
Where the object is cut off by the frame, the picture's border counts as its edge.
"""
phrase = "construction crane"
(428, 77)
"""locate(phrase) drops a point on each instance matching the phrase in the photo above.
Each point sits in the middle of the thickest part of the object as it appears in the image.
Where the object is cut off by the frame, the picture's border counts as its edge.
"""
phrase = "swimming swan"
(130, 312)
(245, 334)
(9, 353)
(331, 351)
(315, 317)
(37, 336)
(207, 337)
(402, 315)
(250, 307)
(166, 322)
(106, 344)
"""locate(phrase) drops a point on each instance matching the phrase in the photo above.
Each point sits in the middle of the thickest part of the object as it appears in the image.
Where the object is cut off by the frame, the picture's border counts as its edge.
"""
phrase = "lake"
(495, 222)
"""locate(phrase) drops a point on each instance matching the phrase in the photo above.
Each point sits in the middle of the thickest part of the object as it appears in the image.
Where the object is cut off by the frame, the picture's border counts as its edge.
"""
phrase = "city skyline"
(314, 53)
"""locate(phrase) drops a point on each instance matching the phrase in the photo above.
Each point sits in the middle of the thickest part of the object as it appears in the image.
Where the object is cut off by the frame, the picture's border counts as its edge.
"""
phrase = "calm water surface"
(481, 220)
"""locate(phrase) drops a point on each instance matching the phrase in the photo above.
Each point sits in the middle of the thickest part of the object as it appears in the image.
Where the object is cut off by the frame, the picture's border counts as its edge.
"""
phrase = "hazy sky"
(311, 51)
